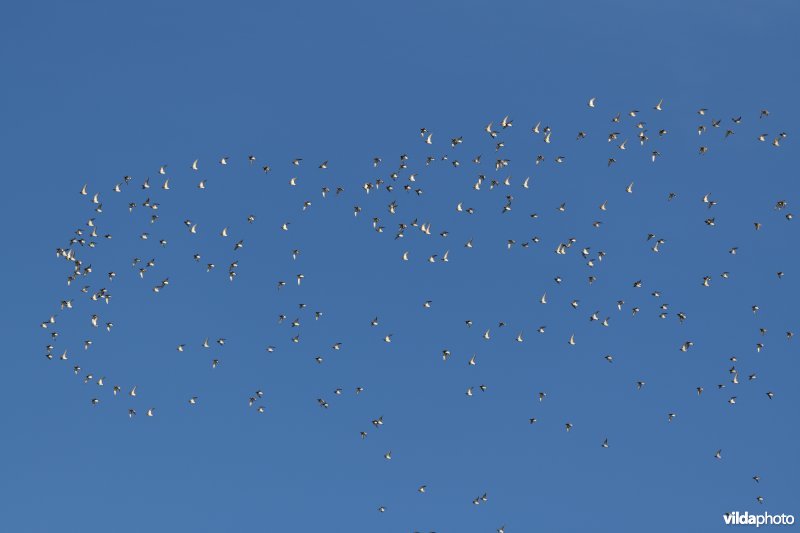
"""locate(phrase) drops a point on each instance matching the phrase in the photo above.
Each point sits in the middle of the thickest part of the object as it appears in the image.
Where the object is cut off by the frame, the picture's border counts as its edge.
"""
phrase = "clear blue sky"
(93, 91)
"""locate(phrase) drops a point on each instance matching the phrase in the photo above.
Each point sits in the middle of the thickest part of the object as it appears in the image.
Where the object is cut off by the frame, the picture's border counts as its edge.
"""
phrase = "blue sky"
(93, 92)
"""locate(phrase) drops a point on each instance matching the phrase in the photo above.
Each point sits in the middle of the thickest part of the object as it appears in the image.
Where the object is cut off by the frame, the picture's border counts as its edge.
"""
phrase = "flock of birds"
(92, 291)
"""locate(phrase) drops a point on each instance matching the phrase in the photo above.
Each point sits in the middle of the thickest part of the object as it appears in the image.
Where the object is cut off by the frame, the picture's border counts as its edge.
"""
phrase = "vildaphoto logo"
(764, 519)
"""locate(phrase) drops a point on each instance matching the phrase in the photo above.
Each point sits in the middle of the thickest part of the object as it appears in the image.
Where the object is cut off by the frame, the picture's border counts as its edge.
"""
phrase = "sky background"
(95, 91)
